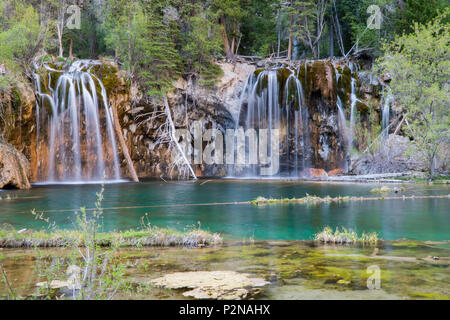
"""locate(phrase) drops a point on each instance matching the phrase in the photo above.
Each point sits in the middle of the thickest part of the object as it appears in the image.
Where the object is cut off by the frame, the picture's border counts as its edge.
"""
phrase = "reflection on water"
(126, 203)
(296, 270)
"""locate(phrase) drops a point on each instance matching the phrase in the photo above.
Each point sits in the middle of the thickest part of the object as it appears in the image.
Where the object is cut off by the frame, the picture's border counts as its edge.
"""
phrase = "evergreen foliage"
(159, 40)
(419, 64)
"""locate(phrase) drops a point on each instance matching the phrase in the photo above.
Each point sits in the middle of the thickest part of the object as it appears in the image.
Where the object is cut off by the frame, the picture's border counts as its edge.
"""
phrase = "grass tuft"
(149, 236)
(345, 236)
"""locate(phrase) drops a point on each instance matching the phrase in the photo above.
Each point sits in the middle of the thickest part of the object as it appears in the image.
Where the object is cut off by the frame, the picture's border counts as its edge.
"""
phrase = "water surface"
(175, 204)
(294, 270)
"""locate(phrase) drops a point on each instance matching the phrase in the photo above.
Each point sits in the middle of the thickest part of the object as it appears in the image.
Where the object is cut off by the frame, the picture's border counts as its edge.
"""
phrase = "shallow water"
(295, 270)
(182, 204)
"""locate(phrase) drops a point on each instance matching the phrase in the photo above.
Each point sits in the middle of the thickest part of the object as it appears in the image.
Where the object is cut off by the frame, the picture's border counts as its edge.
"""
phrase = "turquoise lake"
(181, 205)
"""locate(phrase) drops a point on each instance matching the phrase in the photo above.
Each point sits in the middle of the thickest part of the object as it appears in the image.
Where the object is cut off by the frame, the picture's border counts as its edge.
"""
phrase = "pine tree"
(142, 39)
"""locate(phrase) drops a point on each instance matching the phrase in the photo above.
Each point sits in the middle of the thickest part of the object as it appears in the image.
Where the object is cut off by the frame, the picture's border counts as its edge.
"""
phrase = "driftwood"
(385, 131)
(174, 138)
(123, 145)
(400, 125)
(166, 137)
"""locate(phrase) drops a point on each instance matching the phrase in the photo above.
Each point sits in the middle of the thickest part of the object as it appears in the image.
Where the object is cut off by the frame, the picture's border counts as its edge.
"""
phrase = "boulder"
(336, 172)
(14, 168)
(392, 156)
(223, 285)
(314, 173)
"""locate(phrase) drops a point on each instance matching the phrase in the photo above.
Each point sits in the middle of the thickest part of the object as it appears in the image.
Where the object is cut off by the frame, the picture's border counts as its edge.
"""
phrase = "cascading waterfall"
(295, 102)
(386, 101)
(342, 122)
(353, 101)
(265, 103)
(343, 129)
(77, 127)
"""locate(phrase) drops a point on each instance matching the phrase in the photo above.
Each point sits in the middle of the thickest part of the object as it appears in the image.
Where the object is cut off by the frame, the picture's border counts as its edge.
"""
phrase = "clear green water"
(419, 219)
(294, 269)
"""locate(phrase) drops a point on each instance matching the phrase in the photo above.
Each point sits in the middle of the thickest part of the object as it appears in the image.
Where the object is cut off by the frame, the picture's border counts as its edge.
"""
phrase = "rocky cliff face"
(213, 107)
(14, 168)
(303, 98)
(17, 119)
(324, 83)
(16, 136)
(327, 143)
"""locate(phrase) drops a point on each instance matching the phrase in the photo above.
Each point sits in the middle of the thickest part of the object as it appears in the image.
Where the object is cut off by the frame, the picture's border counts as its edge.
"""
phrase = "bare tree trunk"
(238, 44)
(314, 52)
(331, 37)
(123, 145)
(226, 44)
(60, 26)
(232, 46)
(70, 49)
(399, 125)
(432, 166)
(291, 22)
(129, 44)
(279, 32)
(337, 27)
(60, 34)
(174, 139)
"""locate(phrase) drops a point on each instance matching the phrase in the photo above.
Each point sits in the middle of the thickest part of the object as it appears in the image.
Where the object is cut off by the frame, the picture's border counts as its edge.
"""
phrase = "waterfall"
(295, 101)
(342, 123)
(267, 103)
(77, 127)
(343, 129)
(386, 101)
(353, 100)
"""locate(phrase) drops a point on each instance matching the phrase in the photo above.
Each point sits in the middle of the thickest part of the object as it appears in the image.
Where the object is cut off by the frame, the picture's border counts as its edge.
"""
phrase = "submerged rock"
(54, 284)
(14, 168)
(72, 283)
(223, 285)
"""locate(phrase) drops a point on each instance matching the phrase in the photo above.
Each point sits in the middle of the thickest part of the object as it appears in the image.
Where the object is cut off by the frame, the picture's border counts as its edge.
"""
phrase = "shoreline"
(377, 178)
(196, 239)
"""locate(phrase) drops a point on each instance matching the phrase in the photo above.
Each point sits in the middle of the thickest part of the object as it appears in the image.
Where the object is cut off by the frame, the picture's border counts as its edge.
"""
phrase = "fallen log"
(123, 145)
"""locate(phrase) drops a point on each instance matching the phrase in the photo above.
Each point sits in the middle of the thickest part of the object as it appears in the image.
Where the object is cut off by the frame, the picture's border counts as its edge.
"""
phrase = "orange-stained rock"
(198, 171)
(336, 172)
(315, 173)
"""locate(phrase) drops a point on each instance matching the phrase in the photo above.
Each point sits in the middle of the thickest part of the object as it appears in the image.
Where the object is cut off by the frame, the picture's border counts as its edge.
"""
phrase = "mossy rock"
(318, 77)
(258, 71)
(407, 244)
(53, 80)
(56, 65)
(17, 97)
(107, 73)
(302, 74)
(362, 108)
(292, 98)
(344, 84)
(283, 74)
(428, 295)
